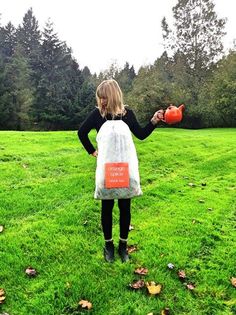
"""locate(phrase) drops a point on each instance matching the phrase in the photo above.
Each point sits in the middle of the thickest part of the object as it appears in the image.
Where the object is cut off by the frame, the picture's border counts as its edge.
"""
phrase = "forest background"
(42, 86)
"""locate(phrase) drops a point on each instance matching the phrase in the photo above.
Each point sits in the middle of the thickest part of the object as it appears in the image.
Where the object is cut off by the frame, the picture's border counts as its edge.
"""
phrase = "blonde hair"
(110, 90)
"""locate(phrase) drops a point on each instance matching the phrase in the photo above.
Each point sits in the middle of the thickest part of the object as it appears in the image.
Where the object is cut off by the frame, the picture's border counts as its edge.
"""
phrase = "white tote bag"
(117, 173)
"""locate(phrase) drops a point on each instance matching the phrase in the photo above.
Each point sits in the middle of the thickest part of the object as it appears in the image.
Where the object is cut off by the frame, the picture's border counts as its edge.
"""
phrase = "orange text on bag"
(116, 175)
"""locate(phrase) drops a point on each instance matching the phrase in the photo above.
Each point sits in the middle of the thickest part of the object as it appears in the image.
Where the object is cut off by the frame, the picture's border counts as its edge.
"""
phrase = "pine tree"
(29, 37)
(56, 96)
(7, 41)
(17, 97)
(86, 100)
(125, 77)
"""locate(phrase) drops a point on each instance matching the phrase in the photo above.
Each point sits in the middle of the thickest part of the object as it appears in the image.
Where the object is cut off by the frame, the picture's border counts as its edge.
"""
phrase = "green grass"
(52, 223)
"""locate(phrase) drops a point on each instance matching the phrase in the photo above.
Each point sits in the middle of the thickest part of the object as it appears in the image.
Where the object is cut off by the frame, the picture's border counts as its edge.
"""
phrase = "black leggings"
(125, 217)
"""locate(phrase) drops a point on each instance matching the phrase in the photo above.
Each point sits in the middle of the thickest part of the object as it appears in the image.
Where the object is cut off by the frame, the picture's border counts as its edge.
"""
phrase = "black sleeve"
(84, 130)
(139, 132)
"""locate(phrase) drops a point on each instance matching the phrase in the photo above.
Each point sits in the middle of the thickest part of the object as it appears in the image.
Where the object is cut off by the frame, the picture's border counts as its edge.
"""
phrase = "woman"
(111, 107)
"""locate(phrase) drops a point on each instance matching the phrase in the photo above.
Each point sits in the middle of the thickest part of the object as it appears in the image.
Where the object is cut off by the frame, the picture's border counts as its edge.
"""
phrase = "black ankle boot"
(109, 251)
(123, 252)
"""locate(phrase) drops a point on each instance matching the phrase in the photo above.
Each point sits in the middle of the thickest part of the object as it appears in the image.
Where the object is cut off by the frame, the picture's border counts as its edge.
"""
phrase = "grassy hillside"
(51, 222)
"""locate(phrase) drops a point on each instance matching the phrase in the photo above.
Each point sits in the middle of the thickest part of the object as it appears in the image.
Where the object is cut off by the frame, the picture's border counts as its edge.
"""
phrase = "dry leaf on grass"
(86, 304)
(132, 248)
(2, 296)
(31, 272)
(166, 311)
(233, 282)
(190, 286)
(153, 288)
(137, 284)
(141, 271)
(181, 274)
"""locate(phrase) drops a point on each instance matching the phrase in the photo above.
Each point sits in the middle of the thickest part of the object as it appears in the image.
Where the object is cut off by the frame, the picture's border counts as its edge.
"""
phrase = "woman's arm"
(142, 132)
(84, 130)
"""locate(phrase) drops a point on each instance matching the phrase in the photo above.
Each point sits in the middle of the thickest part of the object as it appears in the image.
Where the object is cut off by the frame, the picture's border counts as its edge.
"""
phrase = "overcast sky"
(104, 31)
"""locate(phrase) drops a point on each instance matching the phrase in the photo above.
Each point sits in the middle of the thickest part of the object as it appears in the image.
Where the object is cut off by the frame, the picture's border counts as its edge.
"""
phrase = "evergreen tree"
(56, 96)
(7, 41)
(29, 37)
(87, 99)
(17, 98)
(125, 78)
(86, 74)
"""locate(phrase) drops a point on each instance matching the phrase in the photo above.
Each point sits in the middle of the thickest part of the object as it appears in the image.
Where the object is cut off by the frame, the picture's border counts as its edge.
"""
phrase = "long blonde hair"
(110, 90)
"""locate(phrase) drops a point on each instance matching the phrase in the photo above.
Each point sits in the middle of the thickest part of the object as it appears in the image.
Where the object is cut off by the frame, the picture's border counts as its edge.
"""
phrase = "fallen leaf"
(1, 228)
(2, 299)
(153, 288)
(166, 311)
(137, 284)
(171, 266)
(141, 271)
(181, 274)
(31, 272)
(2, 296)
(233, 282)
(86, 304)
(190, 286)
(132, 248)
(131, 227)
(1, 292)
(191, 184)
(209, 209)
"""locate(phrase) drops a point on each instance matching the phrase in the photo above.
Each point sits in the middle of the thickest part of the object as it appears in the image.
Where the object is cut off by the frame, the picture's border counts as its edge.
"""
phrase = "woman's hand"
(157, 117)
(95, 153)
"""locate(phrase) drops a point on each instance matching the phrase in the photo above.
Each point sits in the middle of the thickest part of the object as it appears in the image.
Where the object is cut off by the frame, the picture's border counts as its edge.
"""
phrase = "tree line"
(42, 86)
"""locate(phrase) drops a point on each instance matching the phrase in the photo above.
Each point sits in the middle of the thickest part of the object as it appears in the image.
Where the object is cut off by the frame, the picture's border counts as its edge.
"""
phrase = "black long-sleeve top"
(95, 121)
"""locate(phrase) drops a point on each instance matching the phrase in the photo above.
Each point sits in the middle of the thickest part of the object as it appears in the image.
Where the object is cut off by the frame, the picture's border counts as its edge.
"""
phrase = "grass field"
(186, 216)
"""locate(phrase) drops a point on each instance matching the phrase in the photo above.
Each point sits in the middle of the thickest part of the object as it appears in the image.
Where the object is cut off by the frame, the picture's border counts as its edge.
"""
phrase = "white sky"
(104, 31)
